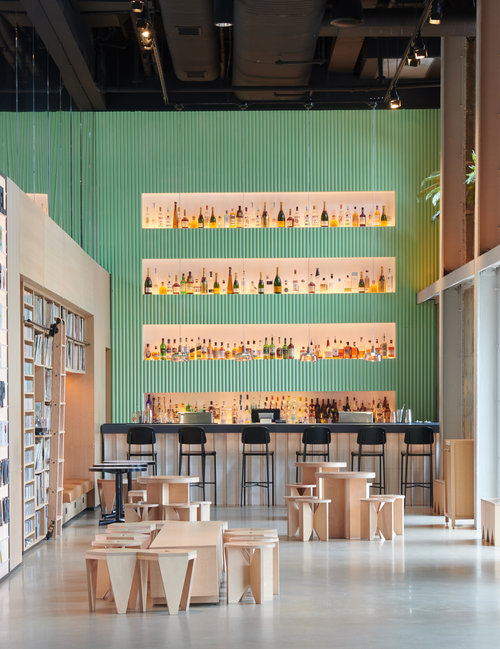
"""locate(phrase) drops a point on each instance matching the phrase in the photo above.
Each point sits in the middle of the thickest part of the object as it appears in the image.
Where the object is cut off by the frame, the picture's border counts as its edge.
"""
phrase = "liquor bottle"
(341, 216)
(324, 216)
(227, 352)
(285, 349)
(239, 217)
(334, 221)
(323, 287)
(147, 352)
(361, 284)
(272, 349)
(203, 285)
(387, 411)
(183, 284)
(163, 350)
(376, 216)
(355, 350)
(355, 218)
(266, 349)
(362, 218)
(367, 282)
(163, 289)
(296, 218)
(383, 218)
(295, 282)
(246, 218)
(176, 287)
(279, 349)
(193, 224)
(234, 351)
(169, 284)
(277, 283)
(290, 221)
(341, 349)
(307, 220)
(261, 285)
(213, 222)
(215, 352)
(258, 220)
(361, 348)
(175, 220)
(281, 217)
(185, 221)
(265, 217)
(390, 350)
(146, 217)
(389, 282)
(156, 354)
(347, 405)
(291, 350)
(201, 220)
(148, 284)
(383, 348)
(232, 218)
(347, 284)
(216, 285)
(168, 220)
(243, 287)
(189, 284)
(381, 281)
(315, 217)
(226, 219)
(236, 285)
(347, 218)
(328, 349)
(347, 350)
(335, 349)
(229, 283)
(311, 287)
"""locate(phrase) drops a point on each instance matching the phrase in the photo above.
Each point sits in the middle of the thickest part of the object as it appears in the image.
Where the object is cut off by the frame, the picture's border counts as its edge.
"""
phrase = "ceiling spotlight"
(308, 105)
(412, 59)
(394, 101)
(346, 13)
(144, 26)
(243, 106)
(147, 44)
(436, 13)
(419, 48)
(137, 6)
(223, 13)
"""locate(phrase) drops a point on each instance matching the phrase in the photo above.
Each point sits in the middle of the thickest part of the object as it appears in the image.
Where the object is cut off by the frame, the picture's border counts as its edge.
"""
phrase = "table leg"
(119, 497)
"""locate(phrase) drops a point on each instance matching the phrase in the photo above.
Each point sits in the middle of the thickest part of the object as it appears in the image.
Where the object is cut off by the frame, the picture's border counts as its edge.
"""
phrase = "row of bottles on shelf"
(354, 282)
(160, 217)
(292, 409)
(269, 350)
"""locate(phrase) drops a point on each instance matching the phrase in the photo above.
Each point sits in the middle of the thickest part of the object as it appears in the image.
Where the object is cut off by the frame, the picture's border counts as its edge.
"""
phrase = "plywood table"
(206, 538)
(309, 470)
(344, 489)
(166, 489)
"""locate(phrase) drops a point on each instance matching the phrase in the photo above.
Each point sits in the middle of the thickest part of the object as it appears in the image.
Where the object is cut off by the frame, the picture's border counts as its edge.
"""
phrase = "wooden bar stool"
(121, 567)
(180, 511)
(249, 564)
(313, 516)
(377, 518)
(136, 495)
(297, 489)
(175, 569)
(140, 511)
(399, 512)
(242, 534)
(203, 511)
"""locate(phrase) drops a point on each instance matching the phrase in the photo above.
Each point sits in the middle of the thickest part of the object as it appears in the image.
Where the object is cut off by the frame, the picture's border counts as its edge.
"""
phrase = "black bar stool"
(195, 435)
(142, 436)
(256, 435)
(422, 436)
(371, 436)
(314, 436)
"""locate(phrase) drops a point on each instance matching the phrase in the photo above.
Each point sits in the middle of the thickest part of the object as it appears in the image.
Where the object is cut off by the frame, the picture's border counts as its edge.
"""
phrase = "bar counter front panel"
(286, 439)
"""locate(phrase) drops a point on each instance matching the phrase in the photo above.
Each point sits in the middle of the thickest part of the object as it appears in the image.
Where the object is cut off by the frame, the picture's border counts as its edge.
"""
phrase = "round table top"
(119, 467)
(177, 479)
(345, 475)
(339, 465)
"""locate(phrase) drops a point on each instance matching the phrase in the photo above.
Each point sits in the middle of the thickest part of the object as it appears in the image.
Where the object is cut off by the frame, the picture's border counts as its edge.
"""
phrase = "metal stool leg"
(272, 469)
(267, 478)
(215, 480)
(203, 476)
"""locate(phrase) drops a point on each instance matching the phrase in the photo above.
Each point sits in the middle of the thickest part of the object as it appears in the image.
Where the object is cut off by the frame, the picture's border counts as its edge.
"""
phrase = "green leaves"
(430, 190)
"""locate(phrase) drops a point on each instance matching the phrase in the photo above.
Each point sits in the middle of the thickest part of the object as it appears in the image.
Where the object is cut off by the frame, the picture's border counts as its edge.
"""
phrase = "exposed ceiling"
(279, 54)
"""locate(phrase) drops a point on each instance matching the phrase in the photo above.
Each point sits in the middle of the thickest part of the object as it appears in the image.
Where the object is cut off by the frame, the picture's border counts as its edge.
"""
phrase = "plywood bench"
(75, 492)
(490, 520)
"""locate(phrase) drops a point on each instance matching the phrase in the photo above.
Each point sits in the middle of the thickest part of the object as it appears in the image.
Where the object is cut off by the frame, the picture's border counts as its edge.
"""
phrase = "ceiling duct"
(192, 39)
(274, 45)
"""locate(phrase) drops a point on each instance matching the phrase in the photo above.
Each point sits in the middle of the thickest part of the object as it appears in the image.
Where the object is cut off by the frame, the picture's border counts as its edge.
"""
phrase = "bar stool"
(314, 436)
(423, 436)
(256, 435)
(195, 435)
(371, 436)
(140, 436)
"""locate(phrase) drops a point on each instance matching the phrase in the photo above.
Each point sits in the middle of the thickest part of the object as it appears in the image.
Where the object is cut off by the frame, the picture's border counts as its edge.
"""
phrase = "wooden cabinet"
(459, 479)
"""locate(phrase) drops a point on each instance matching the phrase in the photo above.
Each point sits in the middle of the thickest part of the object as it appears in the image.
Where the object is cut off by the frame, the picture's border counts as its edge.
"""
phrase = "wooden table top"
(184, 534)
(344, 475)
(172, 479)
(339, 465)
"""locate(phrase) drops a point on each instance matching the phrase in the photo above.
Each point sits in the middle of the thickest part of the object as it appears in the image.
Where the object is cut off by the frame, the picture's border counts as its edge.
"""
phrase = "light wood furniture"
(377, 518)
(249, 564)
(203, 510)
(242, 533)
(206, 538)
(166, 489)
(399, 511)
(309, 470)
(439, 497)
(306, 514)
(344, 489)
(459, 479)
(121, 568)
(297, 489)
(180, 511)
(136, 495)
(175, 570)
(136, 512)
(490, 520)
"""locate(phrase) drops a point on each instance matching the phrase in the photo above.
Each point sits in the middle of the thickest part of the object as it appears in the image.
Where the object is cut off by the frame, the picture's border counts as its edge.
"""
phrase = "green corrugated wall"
(96, 165)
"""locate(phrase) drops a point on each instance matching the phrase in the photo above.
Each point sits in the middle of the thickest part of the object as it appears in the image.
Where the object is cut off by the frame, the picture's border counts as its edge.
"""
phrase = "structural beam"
(69, 45)
(344, 54)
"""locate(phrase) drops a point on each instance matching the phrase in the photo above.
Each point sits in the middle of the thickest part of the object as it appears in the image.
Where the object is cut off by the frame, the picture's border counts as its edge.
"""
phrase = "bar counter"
(285, 441)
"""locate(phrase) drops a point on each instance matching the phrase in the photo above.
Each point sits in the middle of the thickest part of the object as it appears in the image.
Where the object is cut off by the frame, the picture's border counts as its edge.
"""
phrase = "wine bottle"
(216, 285)
(324, 216)
(163, 350)
(232, 219)
(381, 281)
(261, 285)
(175, 220)
(291, 350)
(362, 218)
(383, 218)
(266, 348)
(289, 221)
(265, 218)
(229, 283)
(148, 284)
(277, 283)
(201, 220)
(239, 217)
(236, 285)
(203, 285)
(213, 222)
(272, 349)
(281, 217)
(355, 218)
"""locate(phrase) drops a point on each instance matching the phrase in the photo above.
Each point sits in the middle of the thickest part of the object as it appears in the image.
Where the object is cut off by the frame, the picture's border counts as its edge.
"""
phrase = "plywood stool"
(249, 564)
(140, 511)
(313, 516)
(121, 567)
(136, 495)
(255, 534)
(180, 511)
(399, 511)
(377, 518)
(301, 489)
(175, 569)
(203, 511)
(438, 498)
(490, 520)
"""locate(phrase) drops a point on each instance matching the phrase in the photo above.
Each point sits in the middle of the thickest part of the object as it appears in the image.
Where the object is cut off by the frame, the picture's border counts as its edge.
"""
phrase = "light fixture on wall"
(346, 13)
(436, 13)
(223, 13)
(394, 101)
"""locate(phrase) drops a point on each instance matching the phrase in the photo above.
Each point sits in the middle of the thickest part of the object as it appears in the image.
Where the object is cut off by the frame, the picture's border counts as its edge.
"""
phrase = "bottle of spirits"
(381, 281)
(367, 282)
(323, 287)
(229, 283)
(291, 350)
(290, 222)
(213, 222)
(279, 350)
(226, 219)
(333, 220)
(391, 350)
(324, 216)
(163, 289)
(239, 217)
(307, 219)
(163, 350)
(347, 284)
(265, 217)
(328, 349)
(355, 218)
(347, 218)
(383, 218)
(232, 218)
(185, 221)
(376, 216)
(315, 217)
(176, 287)
(281, 217)
(183, 284)
(355, 350)
(272, 349)
(258, 220)
(285, 349)
(203, 285)
(193, 224)
(156, 354)
(311, 287)
(189, 284)
(216, 285)
(296, 217)
(246, 218)
(277, 283)
(266, 349)
(148, 284)
(389, 282)
(168, 220)
(341, 216)
(147, 352)
(236, 285)
(347, 350)
(383, 348)
(335, 349)
(295, 282)
(362, 218)
(175, 219)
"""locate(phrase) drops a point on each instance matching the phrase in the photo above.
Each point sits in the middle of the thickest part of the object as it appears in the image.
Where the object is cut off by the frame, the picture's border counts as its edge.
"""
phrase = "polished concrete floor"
(434, 588)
